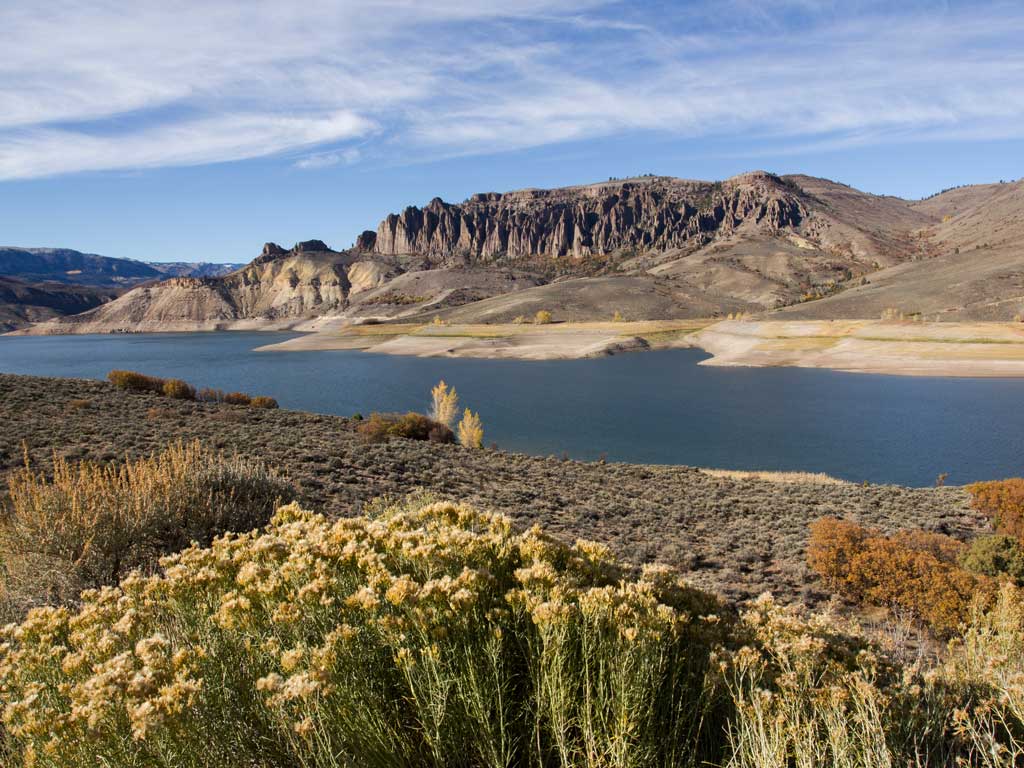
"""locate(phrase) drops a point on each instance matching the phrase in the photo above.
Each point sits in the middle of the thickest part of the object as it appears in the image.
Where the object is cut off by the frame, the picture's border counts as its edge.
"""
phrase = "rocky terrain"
(649, 248)
(738, 535)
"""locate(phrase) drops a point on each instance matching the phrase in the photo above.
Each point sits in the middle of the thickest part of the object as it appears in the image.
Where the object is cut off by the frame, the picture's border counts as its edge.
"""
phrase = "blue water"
(652, 407)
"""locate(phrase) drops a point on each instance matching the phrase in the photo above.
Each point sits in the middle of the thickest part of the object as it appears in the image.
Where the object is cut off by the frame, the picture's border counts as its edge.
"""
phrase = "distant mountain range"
(649, 248)
(39, 284)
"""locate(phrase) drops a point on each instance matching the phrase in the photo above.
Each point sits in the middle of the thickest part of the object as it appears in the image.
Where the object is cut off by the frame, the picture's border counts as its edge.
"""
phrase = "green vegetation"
(430, 634)
(91, 524)
(995, 555)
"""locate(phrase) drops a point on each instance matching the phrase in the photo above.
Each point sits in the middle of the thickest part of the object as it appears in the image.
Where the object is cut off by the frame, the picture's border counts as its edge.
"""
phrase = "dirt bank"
(869, 346)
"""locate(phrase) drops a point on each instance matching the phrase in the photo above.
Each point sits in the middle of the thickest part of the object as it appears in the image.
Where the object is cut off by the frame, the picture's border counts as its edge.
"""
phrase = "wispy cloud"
(88, 86)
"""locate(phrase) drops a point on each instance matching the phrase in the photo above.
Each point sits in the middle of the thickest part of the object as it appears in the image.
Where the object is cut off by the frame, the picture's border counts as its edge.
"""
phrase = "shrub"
(519, 319)
(134, 381)
(1002, 501)
(237, 398)
(617, 317)
(915, 571)
(428, 634)
(91, 524)
(411, 426)
(995, 556)
(444, 404)
(209, 395)
(79, 404)
(179, 390)
(543, 317)
(471, 430)
(262, 401)
(431, 634)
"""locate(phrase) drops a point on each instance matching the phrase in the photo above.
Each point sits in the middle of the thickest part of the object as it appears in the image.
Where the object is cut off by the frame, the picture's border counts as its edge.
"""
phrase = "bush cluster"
(995, 555)
(913, 570)
(182, 390)
(135, 382)
(411, 425)
(430, 634)
(91, 524)
(1002, 501)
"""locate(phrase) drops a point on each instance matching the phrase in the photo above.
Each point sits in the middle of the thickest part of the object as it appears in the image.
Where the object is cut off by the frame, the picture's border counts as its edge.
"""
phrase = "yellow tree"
(471, 430)
(445, 404)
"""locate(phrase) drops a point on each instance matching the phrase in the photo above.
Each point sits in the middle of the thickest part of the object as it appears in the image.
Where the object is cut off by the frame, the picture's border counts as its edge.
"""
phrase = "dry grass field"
(737, 533)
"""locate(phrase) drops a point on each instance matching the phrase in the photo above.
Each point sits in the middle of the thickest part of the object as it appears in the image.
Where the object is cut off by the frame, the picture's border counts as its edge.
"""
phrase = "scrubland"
(575, 614)
(427, 633)
(738, 536)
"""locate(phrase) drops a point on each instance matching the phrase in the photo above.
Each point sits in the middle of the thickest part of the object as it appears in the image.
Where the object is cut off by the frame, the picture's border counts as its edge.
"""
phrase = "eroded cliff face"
(651, 213)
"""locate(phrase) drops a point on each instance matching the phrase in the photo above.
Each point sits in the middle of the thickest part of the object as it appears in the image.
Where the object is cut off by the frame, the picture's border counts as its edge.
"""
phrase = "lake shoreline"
(899, 348)
(895, 348)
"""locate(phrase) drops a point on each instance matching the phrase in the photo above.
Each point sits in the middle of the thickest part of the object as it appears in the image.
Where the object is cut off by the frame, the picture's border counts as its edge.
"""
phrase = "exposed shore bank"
(555, 341)
(903, 348)
(906, 348)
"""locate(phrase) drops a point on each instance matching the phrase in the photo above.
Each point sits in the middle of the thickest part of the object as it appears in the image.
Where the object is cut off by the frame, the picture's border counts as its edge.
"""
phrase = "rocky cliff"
(650, 213)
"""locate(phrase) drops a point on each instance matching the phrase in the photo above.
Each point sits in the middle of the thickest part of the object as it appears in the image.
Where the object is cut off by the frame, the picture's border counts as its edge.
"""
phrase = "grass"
(802, 478)
(427, 633)
(90, 524)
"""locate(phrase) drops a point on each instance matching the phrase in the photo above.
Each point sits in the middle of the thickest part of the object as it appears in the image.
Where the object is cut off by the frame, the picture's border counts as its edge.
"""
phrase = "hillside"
(308, 284)
(650, 248)
(64, 265)
(970, 265)
(22, 304)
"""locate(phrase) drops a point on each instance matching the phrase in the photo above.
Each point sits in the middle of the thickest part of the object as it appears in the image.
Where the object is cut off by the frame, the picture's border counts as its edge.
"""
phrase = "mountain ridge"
(653, 247)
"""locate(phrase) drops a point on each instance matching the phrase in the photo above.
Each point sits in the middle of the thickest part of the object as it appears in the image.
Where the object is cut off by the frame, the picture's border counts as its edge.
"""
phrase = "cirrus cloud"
(93, 86)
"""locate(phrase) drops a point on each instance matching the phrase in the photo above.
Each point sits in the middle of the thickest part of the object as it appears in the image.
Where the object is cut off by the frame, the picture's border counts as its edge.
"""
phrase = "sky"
(197, 130)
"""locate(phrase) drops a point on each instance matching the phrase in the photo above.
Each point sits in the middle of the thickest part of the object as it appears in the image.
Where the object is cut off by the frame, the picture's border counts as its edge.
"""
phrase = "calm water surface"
(653, 407)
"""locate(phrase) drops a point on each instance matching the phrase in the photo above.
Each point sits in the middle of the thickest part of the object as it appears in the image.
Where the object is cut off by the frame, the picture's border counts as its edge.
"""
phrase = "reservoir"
(651, 407)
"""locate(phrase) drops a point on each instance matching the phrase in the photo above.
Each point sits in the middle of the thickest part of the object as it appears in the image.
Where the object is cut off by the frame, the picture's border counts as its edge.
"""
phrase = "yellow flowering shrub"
(428, 633)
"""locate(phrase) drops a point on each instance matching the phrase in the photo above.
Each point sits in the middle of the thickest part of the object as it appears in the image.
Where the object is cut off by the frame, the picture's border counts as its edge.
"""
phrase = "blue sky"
(197, 130)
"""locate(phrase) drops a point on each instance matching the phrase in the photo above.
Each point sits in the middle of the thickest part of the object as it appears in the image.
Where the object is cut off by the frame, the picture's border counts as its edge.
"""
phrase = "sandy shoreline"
(558, 341)
(978, 349)
(903, 348)
(855, 346)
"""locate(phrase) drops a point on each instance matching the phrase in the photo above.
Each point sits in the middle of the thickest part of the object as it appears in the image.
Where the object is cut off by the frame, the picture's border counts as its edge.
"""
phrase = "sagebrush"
(90, 524)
